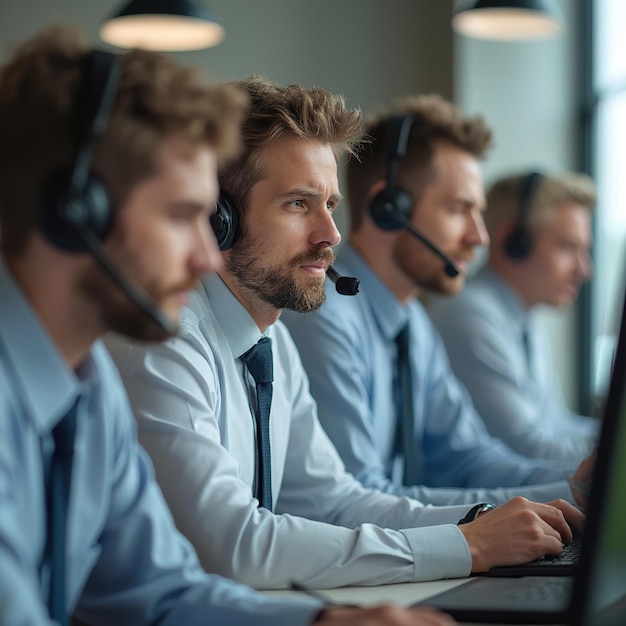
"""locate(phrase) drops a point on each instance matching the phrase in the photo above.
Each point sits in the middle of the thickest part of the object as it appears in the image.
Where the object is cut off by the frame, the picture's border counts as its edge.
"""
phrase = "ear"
(500, 233)
(374, 190)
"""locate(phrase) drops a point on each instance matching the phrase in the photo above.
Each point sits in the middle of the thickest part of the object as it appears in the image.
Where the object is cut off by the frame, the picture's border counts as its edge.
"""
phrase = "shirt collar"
(238, 326)
(45, 382)
(389, 313)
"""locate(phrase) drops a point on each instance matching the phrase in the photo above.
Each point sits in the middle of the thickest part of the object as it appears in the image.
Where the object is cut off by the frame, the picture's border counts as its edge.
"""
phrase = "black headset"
(393, 201)
(391, 207)
(225, 222)
(519, 242)
(76, 203)
(76, 214)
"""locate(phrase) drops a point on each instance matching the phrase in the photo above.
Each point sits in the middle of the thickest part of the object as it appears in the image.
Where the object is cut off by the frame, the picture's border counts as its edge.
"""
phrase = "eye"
(296, 203)
(182, 216)
(457, 209)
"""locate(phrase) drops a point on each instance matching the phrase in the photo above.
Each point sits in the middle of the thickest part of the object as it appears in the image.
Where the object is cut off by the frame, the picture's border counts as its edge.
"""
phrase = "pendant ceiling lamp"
(163, 25)
(516, 20)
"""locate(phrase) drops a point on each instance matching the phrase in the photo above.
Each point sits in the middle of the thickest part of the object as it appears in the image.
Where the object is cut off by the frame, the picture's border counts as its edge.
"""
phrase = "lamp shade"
(163, 25)
(507, 21)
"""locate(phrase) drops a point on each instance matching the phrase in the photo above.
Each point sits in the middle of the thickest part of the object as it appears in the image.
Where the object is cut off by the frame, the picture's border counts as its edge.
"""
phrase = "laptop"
(596, 594)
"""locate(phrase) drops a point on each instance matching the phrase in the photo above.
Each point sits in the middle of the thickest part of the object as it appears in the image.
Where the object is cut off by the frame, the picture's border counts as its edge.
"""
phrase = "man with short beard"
(201, 399)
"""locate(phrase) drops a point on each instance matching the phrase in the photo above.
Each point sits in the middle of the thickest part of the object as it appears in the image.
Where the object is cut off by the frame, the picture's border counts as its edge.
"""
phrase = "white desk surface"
(403, 594)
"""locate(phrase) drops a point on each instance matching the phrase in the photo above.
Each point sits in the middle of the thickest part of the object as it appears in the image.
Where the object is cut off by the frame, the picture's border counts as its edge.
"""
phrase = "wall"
(372, 51)
(528, 92)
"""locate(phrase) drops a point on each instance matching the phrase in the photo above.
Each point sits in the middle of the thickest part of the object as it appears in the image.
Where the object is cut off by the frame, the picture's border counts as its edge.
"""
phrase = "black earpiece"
(75, 199)
(225, 222)
(519, 242)
(391, 207)
(393, 201)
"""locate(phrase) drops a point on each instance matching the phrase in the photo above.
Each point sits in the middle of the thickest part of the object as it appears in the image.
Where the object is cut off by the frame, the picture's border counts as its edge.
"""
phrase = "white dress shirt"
(194, 406)
(515, 388)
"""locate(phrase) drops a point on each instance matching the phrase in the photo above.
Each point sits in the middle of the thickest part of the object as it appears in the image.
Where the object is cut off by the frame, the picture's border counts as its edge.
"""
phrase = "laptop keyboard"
(548, 590)
(562, 564)
(569, 556)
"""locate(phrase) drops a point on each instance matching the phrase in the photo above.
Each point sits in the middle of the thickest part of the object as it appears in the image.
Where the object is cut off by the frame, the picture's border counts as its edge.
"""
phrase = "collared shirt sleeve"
(188, 424)
(487, 353)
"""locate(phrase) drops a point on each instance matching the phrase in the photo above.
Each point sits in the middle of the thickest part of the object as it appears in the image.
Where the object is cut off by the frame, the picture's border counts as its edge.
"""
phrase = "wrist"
(580, 491)
(475, 511)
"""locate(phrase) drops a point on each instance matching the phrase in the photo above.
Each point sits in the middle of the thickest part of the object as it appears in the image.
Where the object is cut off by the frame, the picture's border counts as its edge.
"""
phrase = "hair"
(156, 98)
(503, 197)
(276, 111)
(435, 120)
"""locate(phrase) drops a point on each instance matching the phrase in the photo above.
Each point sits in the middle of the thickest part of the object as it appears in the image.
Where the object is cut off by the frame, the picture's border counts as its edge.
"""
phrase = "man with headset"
(540, 231)
(106, 162)
(378, 369)
(225, 412)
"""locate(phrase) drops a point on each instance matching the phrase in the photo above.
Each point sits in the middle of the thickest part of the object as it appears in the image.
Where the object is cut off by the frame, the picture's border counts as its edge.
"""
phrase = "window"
(606, 160)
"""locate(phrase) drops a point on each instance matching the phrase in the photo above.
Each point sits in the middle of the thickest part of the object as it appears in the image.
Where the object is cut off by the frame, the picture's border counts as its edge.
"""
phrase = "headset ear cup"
(75, 202)
(393, 202)
(387, 203)
(225, 222)
(518, 244)
(63, 219)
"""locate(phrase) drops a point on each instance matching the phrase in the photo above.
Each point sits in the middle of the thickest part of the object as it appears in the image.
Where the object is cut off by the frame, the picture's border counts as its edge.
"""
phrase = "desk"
(403, 594)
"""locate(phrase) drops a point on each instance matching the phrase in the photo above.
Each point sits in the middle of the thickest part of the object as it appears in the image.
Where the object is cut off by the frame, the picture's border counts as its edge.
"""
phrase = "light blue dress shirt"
(194, 403)
(126, 562)
(520, 401)
(348, 350)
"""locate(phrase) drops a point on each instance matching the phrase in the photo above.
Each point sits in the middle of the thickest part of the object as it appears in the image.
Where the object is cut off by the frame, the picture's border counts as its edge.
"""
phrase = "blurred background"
(553, 103)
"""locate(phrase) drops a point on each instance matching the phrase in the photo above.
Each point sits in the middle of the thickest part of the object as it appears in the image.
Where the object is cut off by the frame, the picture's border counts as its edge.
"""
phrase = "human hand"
(384, 615)
(580, 481)
(520, 531)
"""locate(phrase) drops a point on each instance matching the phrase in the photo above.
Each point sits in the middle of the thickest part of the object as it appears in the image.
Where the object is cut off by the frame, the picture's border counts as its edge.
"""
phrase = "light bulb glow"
(506, 24)
(161, 32)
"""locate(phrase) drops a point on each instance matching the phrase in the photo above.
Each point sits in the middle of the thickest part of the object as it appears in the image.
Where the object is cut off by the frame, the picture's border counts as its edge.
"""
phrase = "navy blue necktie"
(528, 352)
(260, 364)
(405, 412)
(58, 500)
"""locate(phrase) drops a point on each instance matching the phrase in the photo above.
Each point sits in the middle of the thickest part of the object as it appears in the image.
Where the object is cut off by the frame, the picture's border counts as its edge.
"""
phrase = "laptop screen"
(603, 560)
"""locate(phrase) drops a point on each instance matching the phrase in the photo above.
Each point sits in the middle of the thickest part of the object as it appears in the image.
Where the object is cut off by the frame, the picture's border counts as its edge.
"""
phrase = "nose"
(585, 264)
(206, 257)
(477, 234)
(325, 230)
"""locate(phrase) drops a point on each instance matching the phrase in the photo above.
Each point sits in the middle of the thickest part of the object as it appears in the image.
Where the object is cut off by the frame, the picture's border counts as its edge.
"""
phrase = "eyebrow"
(308, 193)
(468, 202)
(193, 206)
